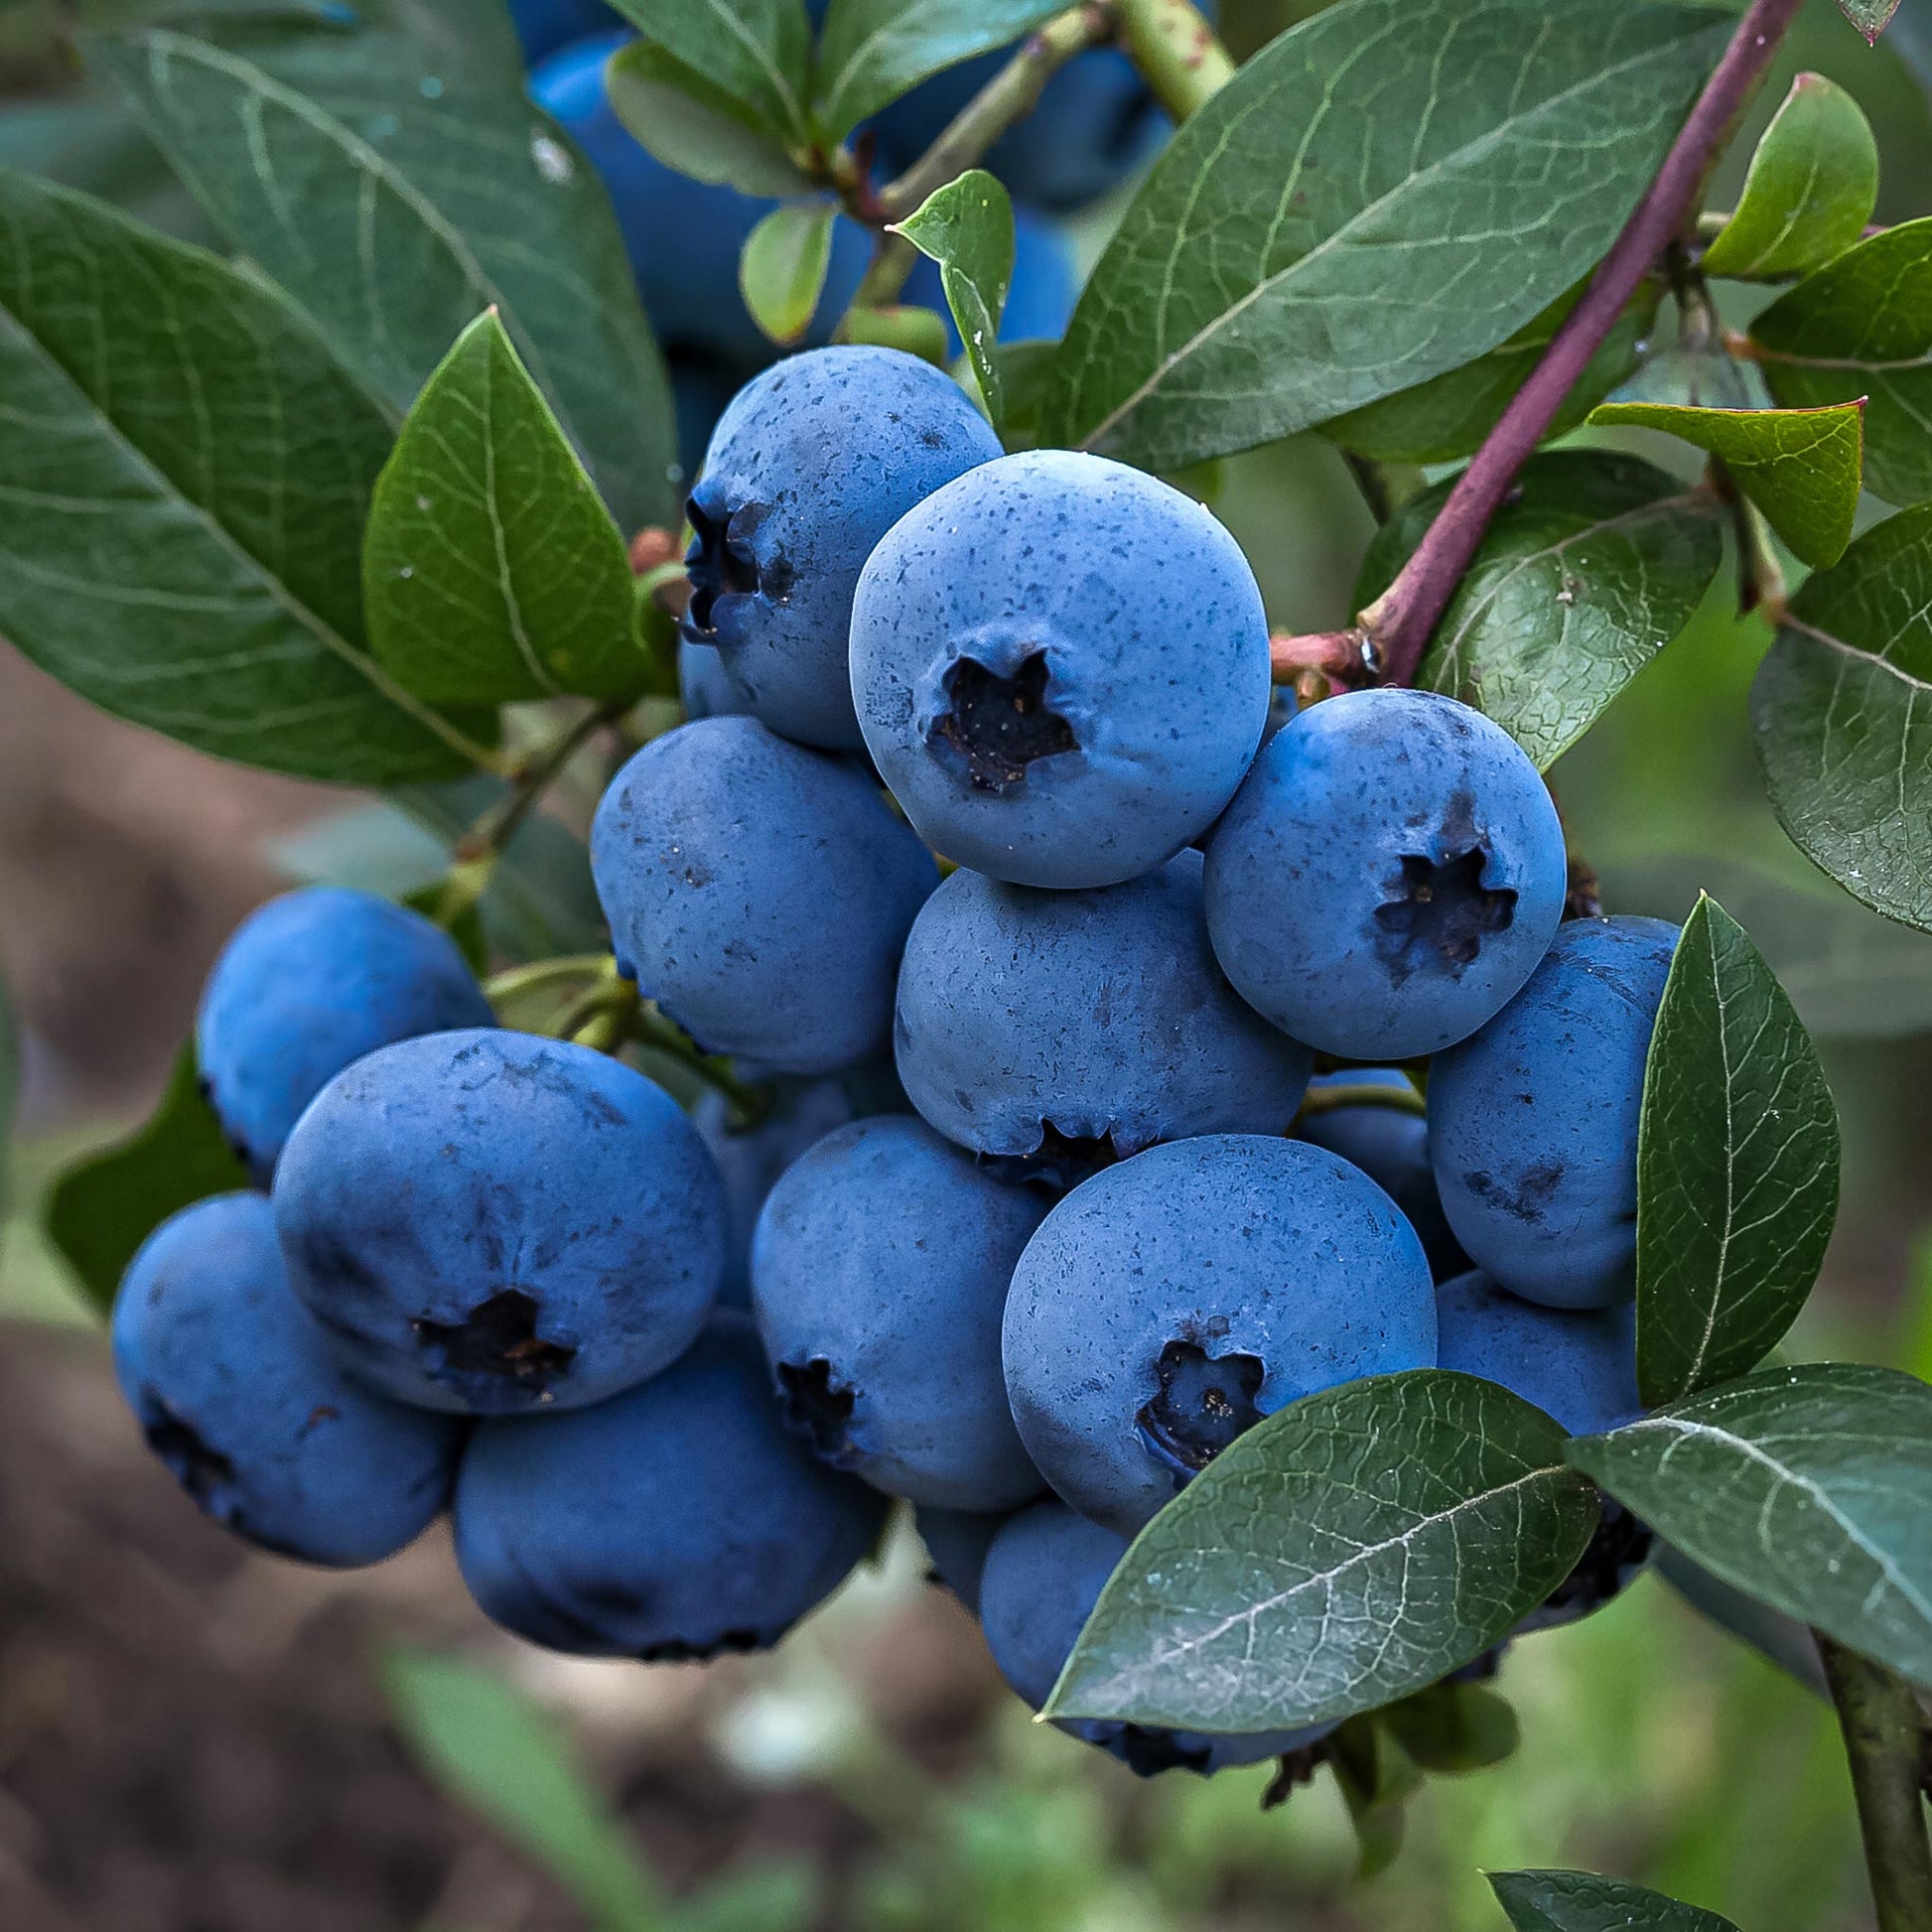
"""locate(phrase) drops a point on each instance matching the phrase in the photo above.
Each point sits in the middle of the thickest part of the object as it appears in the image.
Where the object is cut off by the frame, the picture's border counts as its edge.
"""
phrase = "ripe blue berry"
(1578, 1365)
(879, 1274)
(1172, 1302)
(1533, 1122)
(238, 1393)
(307, 985)
(676, 1521)
(956, 1541)
(1044, 1573)
(1390, 872)
(1061, 1029)
(544, 25)
(813, 463)
(1061, 668)
(490, 1222)
(761, 893)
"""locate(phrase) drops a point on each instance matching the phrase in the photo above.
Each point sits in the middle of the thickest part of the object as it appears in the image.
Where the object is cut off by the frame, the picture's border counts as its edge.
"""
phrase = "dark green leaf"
(394, 206)
(1383, 194)
(1447, 417)
(1377, 1778)
(1452, 1728)
(1580, 1901)
(491, 572)
(694, 126)
(1598, 564)
(100, 1211)
(1869, 16)
(185, 471)
(1737, 1156)
(782, 271)
(873, 51)
(967, 228)
(1862, 326)
(1694, 374)
(1800, 467)
(756, 53)
(1847, 750)
(1353, 1547)
(1809, 1489)
(1811, 187)
(485, 1743)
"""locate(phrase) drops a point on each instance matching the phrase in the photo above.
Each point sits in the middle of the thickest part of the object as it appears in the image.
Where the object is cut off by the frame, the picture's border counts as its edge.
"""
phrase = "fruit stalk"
(1175, 50)
(1884, 1742)
(1399, 623)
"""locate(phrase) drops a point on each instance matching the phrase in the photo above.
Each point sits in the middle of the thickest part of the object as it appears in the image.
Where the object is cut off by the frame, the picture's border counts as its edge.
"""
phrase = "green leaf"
(492, 573)
(1446, 417)
(394, 206)
(100, 1211)
(1800, 467)
(967, 228)
(1450, 1728)
(1869, 16)
(1837, 714)
(1580, 1901)
(1384, 193)
(873, 51)
(1597, 564)
(692, 125)
(1376, 1778)
(185, 471)
(781, 272)
(1738, 1158)
(485, 1743)
(1809, 1489)
(1862, 326)
(1811, 187)
(756, 54)
(1348, 1550)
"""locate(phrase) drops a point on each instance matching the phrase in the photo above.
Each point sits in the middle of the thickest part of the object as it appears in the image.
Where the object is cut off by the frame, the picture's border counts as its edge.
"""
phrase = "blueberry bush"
(935, 994)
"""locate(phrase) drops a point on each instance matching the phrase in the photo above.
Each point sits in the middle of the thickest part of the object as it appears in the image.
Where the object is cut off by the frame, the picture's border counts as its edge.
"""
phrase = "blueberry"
(760, 891)
(308, 984)
(1044, 1573)
(1390, 874)
(879, 1273)
(490, 1222)
(1578, 1365)
(813, 463)
(706, 687)
(956, 1541)
(750, 1160)
(683, 236)
(544, 25)
(1061, 1029)
(1173, 1300)
(239, 1394)
(679, 1520)
(1533, 1123)
(1392, 1148)
(1060, 666)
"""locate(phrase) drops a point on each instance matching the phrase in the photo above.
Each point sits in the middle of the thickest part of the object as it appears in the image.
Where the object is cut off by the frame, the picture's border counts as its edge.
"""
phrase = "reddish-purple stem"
(1400, 621)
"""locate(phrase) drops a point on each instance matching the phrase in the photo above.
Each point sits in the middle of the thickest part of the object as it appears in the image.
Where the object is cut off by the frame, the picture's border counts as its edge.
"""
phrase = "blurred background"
(195, 1739)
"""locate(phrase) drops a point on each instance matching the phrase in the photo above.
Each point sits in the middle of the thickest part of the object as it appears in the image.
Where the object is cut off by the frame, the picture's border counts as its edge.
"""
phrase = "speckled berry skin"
(761, 893)
(1578, 1365)
(1044, 1573)
(1392, 1148)
(1060, 666)
(1533, 1122)
(308, 984)
(1390, 872)
(813, 463)
(1174, 1300)
(677, 1521)
(240, 1395)
(1096, 1014)
(491, 1223)
(879, 1276)
(956, 1541)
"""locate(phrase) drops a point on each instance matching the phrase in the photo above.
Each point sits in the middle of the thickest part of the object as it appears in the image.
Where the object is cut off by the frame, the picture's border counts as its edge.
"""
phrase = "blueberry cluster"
(666, 1370)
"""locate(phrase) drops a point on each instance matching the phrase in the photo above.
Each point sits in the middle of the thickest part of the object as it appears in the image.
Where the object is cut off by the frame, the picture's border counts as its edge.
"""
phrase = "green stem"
(532, 776)
(748, 1103)
(1879, 1714)
(515, 981)
(1174, 48)
(1384, 486)
(1364, 1093)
